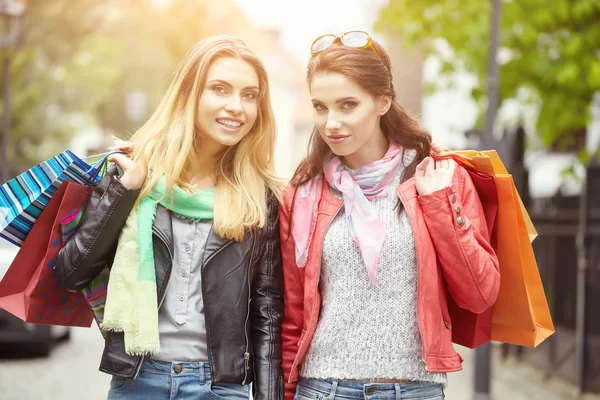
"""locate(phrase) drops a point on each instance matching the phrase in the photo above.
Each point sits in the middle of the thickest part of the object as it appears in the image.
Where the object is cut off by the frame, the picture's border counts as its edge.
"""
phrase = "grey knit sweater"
(365, 332)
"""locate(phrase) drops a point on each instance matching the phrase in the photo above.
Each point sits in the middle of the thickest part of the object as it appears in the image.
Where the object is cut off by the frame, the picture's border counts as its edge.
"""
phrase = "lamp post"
(11, 33)
(483, 353)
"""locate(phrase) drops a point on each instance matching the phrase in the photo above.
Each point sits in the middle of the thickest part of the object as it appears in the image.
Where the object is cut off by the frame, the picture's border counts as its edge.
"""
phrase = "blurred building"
(407, 72)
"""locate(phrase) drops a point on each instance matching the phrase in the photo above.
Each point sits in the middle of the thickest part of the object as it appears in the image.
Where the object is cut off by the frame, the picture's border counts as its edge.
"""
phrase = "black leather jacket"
(242, 287)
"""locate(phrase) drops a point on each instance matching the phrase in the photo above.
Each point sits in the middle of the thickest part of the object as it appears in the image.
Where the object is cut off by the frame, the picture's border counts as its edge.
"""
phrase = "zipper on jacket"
(138, 367)
(294, 364)
(400, 197)
(246, 367)
(204, 262)
(206, 319)
(247, 352)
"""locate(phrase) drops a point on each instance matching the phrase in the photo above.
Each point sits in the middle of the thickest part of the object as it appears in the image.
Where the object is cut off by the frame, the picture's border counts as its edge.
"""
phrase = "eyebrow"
(346, 99)
(337, 101)
(230, 85)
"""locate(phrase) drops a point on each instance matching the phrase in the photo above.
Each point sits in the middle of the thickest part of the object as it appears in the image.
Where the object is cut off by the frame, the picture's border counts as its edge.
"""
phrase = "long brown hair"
(374, 76)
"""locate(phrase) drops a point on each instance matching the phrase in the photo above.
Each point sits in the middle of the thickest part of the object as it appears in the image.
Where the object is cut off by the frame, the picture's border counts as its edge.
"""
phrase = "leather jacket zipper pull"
(247, 364)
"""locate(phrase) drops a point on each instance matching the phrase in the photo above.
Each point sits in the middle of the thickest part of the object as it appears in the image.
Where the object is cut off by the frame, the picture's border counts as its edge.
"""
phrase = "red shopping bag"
(29, 289)
(470, 329)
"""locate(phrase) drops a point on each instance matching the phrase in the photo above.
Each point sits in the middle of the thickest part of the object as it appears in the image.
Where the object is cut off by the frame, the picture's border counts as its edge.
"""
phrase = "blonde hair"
(169, 144)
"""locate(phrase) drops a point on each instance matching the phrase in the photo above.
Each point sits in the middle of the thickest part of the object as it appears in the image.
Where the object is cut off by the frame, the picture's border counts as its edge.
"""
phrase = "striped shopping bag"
(23, 198)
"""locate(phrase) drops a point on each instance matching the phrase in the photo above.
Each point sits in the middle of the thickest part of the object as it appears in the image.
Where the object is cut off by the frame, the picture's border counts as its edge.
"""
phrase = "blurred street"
(70, 373)
(7, 253)
(75, 361)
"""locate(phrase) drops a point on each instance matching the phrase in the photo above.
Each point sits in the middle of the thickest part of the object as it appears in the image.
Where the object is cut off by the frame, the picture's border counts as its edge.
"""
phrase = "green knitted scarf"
(131, 302)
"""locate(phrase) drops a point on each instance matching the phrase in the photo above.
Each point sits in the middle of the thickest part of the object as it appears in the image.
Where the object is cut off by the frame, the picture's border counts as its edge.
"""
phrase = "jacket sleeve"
(267, 311)
(293, 321)
(93, 245)
(456, 222)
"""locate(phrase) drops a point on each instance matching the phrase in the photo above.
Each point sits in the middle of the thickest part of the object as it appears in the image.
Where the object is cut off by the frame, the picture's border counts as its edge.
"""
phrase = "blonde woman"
(190, 230)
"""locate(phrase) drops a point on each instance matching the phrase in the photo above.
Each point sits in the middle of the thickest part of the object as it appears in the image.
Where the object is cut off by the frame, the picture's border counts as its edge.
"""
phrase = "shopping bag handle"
(449, 154)
(103, 155)
(463, 159)
(99, 168)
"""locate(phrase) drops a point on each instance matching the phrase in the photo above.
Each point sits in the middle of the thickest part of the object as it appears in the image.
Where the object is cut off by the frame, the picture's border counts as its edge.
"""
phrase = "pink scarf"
(364, 224)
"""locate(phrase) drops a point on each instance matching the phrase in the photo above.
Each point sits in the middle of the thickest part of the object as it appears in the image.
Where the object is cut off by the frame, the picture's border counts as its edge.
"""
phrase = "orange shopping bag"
(521, 314)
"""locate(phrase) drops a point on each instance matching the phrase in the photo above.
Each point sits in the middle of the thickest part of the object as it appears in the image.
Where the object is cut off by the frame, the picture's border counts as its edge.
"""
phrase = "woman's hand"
(436, 148)
(432, 175)
(134, 173)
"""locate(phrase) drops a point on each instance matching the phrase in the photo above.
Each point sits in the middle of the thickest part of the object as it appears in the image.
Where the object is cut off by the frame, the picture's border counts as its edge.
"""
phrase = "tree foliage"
(81, 59)
(551, 48)
(54, 77)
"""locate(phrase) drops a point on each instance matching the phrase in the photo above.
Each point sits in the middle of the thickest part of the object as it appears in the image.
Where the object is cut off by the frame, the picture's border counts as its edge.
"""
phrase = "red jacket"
(453, 256)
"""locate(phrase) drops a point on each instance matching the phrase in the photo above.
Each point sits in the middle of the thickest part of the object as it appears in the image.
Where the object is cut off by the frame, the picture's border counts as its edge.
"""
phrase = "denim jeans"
(174, 381)
(316, 389)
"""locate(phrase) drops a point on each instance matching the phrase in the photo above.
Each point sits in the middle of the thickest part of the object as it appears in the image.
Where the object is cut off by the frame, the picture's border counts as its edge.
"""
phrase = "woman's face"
(228, 105)
(346, 116)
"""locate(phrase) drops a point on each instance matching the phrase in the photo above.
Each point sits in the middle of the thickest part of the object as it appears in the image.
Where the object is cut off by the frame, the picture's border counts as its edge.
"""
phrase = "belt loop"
(203, 373)
(334, 385)
(398, 391)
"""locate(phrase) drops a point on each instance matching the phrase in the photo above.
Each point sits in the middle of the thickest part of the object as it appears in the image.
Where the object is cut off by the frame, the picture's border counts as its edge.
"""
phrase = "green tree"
(79, 62)
(552, 49)
(154, 40)
(58, 75)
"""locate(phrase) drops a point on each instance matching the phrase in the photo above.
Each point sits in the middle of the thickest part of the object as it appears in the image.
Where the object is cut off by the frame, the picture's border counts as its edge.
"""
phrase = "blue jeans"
(173, 381)
(316, 389)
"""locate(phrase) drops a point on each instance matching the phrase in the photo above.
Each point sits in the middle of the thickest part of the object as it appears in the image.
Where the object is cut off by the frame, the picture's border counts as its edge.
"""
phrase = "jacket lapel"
(163, 226)
(214, 244)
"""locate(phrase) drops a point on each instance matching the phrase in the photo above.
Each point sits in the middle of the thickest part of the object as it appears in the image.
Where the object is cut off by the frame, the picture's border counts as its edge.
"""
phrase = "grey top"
(369, 332)
(181, 316)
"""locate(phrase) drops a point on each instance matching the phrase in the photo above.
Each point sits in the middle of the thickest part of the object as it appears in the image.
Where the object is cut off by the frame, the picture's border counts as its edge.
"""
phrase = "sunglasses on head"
(356, 39)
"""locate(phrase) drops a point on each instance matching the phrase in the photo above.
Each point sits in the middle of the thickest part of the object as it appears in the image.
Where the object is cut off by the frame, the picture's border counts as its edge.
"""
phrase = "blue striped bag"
(22, 199)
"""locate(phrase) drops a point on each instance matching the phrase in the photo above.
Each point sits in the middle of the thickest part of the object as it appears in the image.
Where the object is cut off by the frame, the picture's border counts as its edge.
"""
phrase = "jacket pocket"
(444, 293)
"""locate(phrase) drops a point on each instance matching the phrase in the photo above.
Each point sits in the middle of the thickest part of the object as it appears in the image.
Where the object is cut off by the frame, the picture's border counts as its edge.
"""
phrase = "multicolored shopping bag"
(29, 289)
(23, 198)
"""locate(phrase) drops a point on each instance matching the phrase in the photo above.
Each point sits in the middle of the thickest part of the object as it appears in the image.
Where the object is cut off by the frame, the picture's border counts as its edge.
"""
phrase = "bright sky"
(301, 21)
